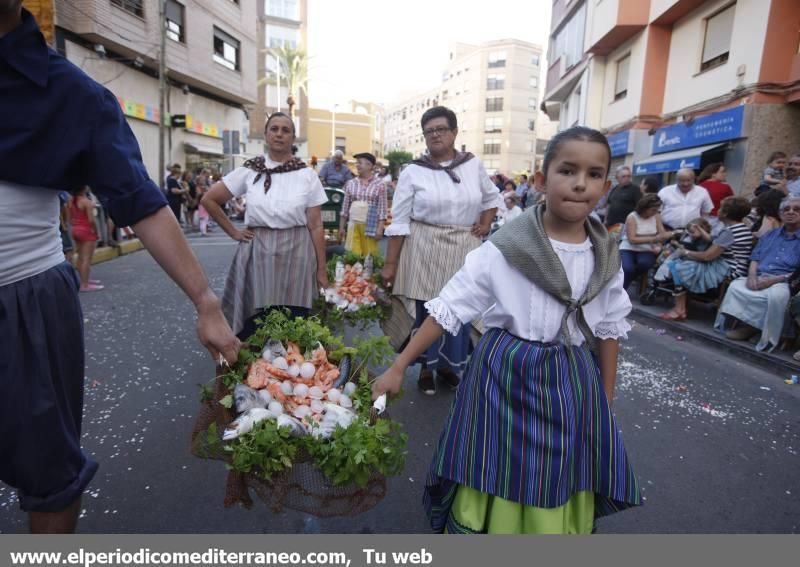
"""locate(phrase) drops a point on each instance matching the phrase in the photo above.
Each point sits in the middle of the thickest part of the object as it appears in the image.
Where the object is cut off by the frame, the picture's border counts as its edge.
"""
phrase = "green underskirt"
(478, 512)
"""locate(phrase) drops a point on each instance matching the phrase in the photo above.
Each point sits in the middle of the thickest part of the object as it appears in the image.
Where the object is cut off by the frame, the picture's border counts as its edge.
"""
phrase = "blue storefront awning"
(673, 161)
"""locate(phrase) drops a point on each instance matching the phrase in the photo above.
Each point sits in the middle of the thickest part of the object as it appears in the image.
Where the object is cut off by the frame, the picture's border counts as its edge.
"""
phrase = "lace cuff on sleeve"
(618, 330)
(398, 229)
(447, 319)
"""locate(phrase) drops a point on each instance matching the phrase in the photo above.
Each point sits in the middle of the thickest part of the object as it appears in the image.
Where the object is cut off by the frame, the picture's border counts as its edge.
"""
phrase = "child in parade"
(530, 444)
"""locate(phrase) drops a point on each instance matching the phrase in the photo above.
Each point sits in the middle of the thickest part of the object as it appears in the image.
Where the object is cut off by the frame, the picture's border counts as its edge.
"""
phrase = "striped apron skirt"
(530, 424)
(277, 267)
(431, 255)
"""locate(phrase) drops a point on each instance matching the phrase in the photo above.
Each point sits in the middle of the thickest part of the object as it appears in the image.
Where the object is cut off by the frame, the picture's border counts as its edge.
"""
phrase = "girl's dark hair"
(75, 191)
(581, 133)
(649, 201)
(734, 208)
(769, 203)
(279, 114)
(439, 112)
(709, 170)
(509, 182)
(775, 155)
(651, 184)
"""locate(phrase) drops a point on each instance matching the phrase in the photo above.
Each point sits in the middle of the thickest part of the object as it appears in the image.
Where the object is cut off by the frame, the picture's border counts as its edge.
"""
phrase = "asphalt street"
(713, 439)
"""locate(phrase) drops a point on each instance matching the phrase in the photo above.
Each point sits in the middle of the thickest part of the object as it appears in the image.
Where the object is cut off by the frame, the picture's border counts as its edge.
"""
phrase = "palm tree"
(293, 72)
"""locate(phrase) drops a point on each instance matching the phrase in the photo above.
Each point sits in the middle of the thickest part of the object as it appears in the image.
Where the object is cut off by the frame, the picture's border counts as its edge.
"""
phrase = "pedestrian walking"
(280, 259)
(175, 191)
(203, 186)
(42, 375)
(444, 205)
(531, 444)
(190, 198)
(364, 208)
(84, 233)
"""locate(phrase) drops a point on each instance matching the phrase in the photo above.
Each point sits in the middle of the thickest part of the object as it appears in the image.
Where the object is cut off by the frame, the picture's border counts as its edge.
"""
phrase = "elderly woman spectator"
(642, 238)
(335, 172)
(701, 271)
(443, 206)
(713, 178)
(363, 213)
(759, 301)
(684, 201)
(512, 208)
(280, 258)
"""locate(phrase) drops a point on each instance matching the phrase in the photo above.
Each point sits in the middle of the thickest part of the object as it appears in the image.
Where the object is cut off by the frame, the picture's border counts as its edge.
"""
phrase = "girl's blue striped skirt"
(530, 424)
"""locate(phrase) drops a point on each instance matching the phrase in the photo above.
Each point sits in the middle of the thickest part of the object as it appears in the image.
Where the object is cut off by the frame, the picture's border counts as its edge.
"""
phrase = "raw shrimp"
(258, 374)
(275, 390)
(319, 357)
(295, 358)
(276, 372)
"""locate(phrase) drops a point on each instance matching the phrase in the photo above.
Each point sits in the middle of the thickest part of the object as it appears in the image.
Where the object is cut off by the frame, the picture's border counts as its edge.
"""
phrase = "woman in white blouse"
(443, 206)
(280, 259)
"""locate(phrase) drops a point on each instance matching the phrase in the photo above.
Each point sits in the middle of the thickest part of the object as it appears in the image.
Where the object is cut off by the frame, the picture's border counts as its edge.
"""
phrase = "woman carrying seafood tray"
(531, 444)
(280, 259)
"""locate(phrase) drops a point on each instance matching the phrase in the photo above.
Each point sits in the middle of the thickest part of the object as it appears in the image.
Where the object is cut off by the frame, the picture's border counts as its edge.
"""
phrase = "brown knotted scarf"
(259, 165)
(461, 157)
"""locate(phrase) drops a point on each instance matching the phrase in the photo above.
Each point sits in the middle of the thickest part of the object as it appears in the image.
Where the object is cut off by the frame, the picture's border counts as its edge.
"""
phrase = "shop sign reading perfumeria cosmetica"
(704, 130)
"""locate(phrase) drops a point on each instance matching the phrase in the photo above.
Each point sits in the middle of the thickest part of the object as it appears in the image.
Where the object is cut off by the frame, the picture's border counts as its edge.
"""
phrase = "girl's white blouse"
(488, 287)
(430, 196)
(285, 204)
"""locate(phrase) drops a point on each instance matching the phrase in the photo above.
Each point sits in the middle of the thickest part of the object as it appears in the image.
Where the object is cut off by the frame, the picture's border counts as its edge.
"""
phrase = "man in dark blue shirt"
(60, 129)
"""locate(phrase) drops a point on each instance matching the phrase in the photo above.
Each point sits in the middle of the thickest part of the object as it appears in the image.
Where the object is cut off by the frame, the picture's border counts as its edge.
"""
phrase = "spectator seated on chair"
(704, 271)
(759, 301)
(642, 237)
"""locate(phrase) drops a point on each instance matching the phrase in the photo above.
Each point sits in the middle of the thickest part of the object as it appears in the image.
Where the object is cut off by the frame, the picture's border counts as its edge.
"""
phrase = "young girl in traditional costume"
(531, 444)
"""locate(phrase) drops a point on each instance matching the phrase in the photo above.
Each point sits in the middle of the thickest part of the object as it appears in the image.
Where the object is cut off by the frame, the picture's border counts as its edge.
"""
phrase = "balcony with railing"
(613, 22)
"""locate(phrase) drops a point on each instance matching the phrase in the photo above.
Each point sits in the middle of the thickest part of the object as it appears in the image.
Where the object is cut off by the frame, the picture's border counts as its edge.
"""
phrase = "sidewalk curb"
(107, 253)
(741, 349)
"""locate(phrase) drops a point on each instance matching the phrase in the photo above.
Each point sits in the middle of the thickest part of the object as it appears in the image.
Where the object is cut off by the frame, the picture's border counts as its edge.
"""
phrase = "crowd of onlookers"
(697, 240)
(185, 189)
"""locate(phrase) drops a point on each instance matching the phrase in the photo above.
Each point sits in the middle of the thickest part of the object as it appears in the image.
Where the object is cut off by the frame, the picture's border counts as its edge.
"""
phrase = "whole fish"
(272, 350)
(297, 428)
(245, 422)
(245, 398)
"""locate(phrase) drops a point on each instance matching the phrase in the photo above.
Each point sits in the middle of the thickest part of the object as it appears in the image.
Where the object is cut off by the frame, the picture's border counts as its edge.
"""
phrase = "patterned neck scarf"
(259, 165)
(526, 246)
(461, 157)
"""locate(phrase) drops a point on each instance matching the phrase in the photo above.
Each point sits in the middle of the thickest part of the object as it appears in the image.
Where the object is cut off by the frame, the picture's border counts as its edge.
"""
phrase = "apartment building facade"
(211, 72)
(680, 83)
(281, 23)
(494, 89)
(352, 129)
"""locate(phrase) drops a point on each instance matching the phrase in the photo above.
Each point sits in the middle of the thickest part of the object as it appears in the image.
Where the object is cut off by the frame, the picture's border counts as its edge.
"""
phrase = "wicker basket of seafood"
(297, 425)
(356, 295)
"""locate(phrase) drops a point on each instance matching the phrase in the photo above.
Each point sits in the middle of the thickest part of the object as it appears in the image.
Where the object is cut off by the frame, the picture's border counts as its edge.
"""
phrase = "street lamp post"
(333, 130)
(162, 91)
